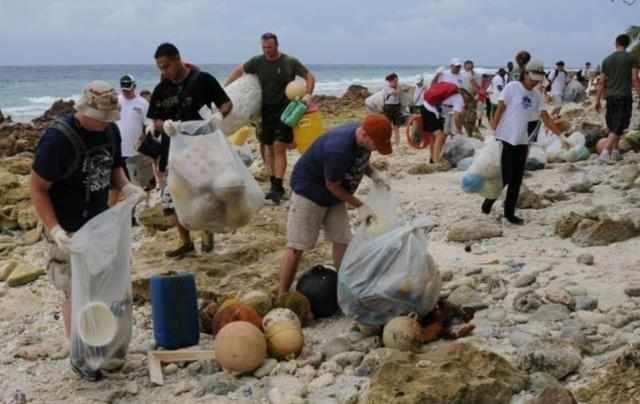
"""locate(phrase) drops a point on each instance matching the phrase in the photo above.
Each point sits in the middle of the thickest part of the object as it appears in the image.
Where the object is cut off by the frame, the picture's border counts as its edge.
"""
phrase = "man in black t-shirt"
(275, 70)
(183, 91)
(77, 162)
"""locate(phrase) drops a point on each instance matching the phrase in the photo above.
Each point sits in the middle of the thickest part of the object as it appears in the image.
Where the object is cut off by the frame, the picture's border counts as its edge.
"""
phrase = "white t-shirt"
(521, 105)
(468, 79)
(131, 124)
(497, 85)
(558, 83)
(453, 103)
(448, 77)
(391, 96)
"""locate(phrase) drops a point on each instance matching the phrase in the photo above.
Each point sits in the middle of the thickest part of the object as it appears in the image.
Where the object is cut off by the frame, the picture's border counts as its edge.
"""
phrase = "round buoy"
(284, 340)
(258, 300)
(235, 312)
(401, 333)
(240, 347)
(279, 315)
(417, 137)
(296, 89)
(320, 286)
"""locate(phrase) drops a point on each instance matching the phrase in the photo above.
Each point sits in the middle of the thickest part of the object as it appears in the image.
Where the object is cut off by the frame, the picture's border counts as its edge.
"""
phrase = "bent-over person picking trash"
(77, 162)
(324, 181)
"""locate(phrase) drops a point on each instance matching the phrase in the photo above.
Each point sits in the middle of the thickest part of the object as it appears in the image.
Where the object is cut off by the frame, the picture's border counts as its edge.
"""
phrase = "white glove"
(61, 238)
(379, 180)
(134, 193)
(366, 214)
(150, 129)
(170, 128)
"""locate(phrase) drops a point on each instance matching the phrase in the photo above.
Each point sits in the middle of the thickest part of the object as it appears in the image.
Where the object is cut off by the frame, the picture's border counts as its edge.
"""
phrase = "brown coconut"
(240, 347)
(260, 301)
(298, 303)
(235, 312)
(284, 340)
(278, 315)
(207, 313)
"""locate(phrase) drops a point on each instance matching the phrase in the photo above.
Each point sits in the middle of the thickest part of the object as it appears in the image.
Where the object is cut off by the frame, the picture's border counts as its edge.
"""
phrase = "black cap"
(560, 63)
(127, 82)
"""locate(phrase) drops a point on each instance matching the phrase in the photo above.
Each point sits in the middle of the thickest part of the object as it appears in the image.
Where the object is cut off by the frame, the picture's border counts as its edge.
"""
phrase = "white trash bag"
(211, 187)
(101, 298)
(484, 176)
(385, 274)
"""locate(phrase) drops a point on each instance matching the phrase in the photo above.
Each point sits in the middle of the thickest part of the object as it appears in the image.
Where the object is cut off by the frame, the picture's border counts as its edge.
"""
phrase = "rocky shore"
(557, 300)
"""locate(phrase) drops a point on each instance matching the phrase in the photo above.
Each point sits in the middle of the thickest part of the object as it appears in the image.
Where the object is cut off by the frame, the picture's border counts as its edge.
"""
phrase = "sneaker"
(276, 194)
(85, 373)
(616, 156)
(181, 251)
(514, 220)
(604, 156)
(487, 205)
(207, 242)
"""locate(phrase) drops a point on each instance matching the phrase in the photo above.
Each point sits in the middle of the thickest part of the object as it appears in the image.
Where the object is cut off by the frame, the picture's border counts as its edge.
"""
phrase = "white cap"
(455, 62)
(535, 69)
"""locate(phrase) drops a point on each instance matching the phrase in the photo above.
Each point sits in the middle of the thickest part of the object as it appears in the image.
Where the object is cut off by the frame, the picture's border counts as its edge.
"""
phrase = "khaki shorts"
(307, 218)
(58, 267)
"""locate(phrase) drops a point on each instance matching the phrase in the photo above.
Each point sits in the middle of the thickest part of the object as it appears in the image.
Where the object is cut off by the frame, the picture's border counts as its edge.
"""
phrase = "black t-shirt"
(182, 101)
(54, 156)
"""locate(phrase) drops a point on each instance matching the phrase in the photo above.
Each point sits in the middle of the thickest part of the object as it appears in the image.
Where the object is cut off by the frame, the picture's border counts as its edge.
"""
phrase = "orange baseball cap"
(378, 128)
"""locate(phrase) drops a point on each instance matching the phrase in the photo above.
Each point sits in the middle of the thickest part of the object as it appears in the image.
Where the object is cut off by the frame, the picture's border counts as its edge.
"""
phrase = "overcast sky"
(321, 31)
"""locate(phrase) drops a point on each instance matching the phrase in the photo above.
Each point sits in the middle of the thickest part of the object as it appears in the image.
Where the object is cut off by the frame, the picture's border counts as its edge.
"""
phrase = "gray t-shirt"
(618, 68)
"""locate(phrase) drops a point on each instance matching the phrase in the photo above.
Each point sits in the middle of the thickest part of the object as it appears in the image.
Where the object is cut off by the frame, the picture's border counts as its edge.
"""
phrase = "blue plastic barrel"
(174, 309)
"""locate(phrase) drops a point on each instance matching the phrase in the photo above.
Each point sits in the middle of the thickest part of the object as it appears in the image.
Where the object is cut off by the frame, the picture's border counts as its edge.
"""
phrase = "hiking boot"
(514, 220)
(487, 205)
(275, 195)
(207, 242)
(181, 251)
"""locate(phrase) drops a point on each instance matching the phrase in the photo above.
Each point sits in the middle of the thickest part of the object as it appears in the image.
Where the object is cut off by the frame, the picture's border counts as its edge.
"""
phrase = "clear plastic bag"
(484, 176)
(101, 297)
(388, 275)
(211, 187)
(459, 147)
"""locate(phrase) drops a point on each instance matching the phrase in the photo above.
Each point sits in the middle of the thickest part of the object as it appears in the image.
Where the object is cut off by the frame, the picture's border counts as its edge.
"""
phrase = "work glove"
(150, 129)
(170, 128)
(379, 180)
(61, 238)
(134, 193)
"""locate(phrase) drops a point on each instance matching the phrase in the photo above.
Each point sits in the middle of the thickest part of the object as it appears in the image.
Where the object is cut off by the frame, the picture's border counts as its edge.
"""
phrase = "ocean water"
(27, 91)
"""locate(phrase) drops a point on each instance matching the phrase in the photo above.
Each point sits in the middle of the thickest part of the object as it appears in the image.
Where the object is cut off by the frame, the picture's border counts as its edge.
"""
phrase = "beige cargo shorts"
(58, 266)
(306, 219)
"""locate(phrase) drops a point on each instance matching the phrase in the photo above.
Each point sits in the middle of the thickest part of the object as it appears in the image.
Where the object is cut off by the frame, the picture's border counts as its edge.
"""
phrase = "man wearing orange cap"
(323, 181)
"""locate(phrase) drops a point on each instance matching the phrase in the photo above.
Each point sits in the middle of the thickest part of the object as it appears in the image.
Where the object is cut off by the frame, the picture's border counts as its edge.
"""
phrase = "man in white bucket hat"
(77, 162)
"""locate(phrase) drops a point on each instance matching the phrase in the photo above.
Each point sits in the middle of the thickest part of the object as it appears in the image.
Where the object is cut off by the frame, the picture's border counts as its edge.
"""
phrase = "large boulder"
(58, 108)
(451, 373)
(594, 229)
(19, 164)
(553, 356)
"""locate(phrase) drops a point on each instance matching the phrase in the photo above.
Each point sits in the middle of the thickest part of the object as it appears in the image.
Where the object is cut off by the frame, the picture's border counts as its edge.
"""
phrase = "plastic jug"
(308, 130)
(293, 113)
(240, 136)
(174, 310)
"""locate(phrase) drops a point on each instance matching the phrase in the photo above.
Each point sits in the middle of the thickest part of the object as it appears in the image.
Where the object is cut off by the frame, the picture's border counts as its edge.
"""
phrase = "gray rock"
(323, 381)
(560, 296)
(551, 312)
(576, 290)
(524, 280)
(471, 230)
(285, 389)
(330, 367)
(526, 302)
(473, 271)
(220, 383)
(285, 368)
(266, 368)
(585, 259)
(520, 338)
(465, 296)
(446, 275)
(622, 320)
(315, 359)
(540, 381)
(632, 291)
(591, 318)
(496, 315)
(210, 367)
(373, 360)
(344, 390)
(578, 338)
(586, 303)
(132, 388)
(194, 369)
(346, 359)
(556, 357)
(171, 369)
(335, 346)
(367, 344)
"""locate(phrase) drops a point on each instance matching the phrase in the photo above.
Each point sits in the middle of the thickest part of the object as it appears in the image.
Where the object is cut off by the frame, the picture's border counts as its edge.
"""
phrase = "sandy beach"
(558, 299)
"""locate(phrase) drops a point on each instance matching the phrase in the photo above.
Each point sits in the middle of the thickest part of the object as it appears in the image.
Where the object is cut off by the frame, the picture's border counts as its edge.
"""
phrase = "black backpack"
(81, 151)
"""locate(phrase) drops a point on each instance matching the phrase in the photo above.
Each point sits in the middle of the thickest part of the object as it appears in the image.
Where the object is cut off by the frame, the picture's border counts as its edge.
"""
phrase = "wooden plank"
(157, 358)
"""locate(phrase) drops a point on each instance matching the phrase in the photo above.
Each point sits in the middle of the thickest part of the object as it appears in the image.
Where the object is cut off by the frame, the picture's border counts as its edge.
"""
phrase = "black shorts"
(394, 113)
(273, 129)
(430, 122)
(619, 114)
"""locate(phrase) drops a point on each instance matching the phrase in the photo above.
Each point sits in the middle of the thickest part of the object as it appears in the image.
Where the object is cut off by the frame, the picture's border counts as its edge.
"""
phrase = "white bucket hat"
(99, 100)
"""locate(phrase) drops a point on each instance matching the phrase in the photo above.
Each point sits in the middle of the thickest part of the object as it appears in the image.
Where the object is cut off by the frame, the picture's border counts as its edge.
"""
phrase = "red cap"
(378, 128)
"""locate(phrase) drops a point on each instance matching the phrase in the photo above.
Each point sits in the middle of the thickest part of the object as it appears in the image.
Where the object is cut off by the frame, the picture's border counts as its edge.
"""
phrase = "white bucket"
(97, 326)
